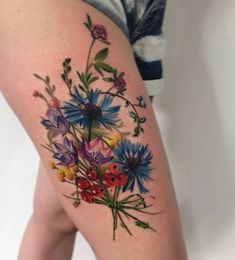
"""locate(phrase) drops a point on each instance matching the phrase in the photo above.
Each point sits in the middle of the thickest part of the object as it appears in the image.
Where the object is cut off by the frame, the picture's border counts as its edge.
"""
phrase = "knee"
(52, 216)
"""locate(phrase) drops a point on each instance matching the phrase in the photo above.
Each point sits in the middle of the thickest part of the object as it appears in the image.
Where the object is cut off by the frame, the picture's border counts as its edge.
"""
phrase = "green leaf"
(121, 74)
(93, 79)
(81, 87)
(142, 224)
(106, 42)
(98, 69)
(67, 60)
(101, 55)
(87, 26)
(89, 20)
(115, 73)
(63, 77)
(47, 79)
(105, 67)
(137, 131)
(79, 75)
(142, 120)
(108, 79)
(37, 76)
(88, 76)
(133, 115)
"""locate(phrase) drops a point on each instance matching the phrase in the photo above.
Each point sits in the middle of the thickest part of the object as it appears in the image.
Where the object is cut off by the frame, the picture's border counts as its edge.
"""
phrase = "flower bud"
(61, 175)
(82, 183)
(92, 174)
(87, 196)
(97, 190)
(113, 168)
(68, 174)
(52, 165)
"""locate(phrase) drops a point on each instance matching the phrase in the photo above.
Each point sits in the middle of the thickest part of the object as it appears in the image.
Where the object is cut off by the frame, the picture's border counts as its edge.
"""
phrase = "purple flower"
(119, 83)
(66, 153)
(95, 152)
(98, 32)
(56, 122)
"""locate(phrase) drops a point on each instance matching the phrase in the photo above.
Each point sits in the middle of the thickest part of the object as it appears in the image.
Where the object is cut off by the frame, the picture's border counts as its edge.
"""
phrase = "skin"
(35, 36)
(50, 234)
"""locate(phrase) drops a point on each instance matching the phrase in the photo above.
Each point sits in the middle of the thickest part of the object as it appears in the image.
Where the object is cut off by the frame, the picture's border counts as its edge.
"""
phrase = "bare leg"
(50, 233)
(46, 32)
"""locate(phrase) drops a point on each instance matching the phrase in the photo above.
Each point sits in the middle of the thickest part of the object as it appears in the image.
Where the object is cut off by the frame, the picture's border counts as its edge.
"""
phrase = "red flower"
(98, 32)
(122, 179)
(109, 180)
(113, 168)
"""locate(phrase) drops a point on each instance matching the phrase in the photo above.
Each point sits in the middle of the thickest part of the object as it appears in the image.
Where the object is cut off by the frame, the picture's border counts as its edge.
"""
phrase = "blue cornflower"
(134, 160)
(95, 109)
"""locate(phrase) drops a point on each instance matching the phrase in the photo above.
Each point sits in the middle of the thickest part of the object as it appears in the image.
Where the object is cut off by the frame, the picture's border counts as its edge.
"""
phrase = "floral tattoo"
(85, 135)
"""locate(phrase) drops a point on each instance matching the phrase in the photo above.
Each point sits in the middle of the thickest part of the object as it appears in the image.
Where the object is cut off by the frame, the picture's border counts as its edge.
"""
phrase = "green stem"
(70, 182)
(108, 91)
(123, 98)
(69, 197)
(114, 213)
(129, 215)
(75, 134)
(126, 100)
(47, 148)
(123, 223)
(143, 211)
(89, 132)
(98, 201)
(88, 57)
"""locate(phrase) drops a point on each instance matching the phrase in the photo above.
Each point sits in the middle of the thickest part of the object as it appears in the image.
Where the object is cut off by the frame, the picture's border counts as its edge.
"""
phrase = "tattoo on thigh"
(90, 141)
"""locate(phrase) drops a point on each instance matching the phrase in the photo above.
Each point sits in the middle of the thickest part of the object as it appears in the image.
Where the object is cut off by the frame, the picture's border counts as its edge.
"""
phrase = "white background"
(196, 114)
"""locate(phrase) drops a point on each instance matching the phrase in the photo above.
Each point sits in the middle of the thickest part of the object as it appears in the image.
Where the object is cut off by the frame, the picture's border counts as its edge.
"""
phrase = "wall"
(196, 118)
(196, 114)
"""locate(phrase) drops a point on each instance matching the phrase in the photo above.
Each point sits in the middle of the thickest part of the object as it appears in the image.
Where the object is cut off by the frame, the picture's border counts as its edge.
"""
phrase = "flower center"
(132, 163)
(92, 111)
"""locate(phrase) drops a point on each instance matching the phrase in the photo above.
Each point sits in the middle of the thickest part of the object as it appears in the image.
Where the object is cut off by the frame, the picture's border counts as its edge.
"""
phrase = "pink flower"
(119, 83)
(96, 151)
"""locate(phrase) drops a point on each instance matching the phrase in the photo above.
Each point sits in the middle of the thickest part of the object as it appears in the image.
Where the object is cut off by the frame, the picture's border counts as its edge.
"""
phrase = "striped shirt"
(141, 21)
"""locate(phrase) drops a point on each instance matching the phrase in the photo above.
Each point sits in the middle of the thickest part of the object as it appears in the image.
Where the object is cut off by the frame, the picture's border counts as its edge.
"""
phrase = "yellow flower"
(69, 174)
(114, 140)
(61, 175)
(52, 165)
(74, 169)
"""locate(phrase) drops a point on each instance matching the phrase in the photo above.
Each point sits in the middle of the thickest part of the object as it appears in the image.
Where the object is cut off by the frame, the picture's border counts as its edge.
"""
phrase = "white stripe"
(154, 87)
(150, 48)
(115, 6)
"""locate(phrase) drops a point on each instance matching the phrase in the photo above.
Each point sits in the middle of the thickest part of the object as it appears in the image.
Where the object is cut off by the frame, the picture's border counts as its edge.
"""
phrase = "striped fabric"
(141, 21)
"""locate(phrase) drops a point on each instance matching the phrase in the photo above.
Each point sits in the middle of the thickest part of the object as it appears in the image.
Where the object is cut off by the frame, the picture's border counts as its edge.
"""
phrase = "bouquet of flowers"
(85, 136)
